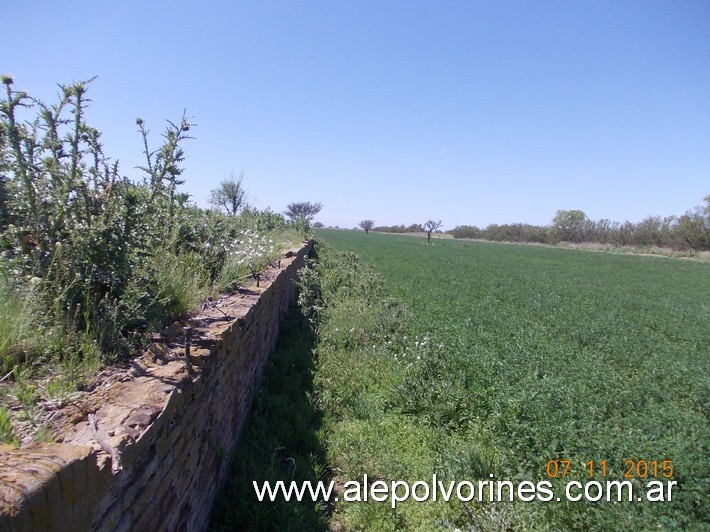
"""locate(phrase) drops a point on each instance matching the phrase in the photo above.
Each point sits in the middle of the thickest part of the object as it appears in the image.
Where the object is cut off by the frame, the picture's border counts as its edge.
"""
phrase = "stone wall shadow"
(279, 441)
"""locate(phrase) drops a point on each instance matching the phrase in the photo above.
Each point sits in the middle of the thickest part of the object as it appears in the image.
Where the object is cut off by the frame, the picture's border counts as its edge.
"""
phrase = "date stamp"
(630, 469)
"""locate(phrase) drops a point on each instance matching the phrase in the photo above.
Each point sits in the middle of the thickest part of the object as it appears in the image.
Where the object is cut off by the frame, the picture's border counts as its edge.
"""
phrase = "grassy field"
(521, 355)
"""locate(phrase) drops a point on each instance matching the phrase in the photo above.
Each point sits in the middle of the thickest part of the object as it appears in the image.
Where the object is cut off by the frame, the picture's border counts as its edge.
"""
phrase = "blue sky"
(468, 112)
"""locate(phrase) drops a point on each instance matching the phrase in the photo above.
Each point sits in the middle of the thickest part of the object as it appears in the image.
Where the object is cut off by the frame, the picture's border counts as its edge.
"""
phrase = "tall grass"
(20, 318)
(182, 283)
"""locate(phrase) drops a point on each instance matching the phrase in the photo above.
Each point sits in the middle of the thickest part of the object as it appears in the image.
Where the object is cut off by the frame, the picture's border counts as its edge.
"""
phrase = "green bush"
(72, 222)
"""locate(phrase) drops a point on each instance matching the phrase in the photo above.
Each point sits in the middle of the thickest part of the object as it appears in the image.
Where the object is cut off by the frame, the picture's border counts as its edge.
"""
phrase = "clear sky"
(469, 112)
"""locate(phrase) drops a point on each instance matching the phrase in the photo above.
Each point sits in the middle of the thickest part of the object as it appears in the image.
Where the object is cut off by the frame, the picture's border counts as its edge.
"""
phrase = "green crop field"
(542, 354)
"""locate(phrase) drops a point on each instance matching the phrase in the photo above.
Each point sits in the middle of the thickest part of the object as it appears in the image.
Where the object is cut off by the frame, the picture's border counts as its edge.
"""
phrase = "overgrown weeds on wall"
(90, 260)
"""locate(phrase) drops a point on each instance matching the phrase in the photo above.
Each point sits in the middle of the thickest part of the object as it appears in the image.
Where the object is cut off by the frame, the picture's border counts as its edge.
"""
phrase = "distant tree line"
(413, 228)
(690, 231)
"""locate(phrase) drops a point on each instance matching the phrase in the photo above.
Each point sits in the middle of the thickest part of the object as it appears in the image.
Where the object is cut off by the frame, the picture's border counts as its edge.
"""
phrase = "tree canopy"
(367, 225)
(302, 209)
(230, 195)
(571, 225)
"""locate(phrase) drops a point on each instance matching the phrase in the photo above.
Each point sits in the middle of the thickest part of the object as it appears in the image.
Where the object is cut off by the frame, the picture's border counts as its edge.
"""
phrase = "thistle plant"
(69, 220)
(89, 259)
(163, 165)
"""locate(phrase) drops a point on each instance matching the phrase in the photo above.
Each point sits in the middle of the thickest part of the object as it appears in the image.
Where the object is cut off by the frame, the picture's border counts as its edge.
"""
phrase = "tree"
(429, 227)
(571, 226)
(649, 232)
(691, 231)
(304, 210)
(230, 194)
(366, 225)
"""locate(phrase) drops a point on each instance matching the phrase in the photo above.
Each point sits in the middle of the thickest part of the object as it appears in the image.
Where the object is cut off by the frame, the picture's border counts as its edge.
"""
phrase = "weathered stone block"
(171, 431)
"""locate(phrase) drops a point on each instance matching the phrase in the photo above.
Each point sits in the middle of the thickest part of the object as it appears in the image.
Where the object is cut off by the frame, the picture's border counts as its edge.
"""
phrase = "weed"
(182, 283)
(89, 260)
(247, 255)
(19, 320)
(7, 432)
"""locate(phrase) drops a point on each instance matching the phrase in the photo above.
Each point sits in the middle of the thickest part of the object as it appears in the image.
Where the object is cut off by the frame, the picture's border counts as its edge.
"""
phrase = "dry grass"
(420, 234)
(648, 251)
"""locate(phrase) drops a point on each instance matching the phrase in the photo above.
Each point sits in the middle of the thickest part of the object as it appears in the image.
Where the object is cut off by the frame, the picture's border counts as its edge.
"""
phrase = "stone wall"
(166, 427)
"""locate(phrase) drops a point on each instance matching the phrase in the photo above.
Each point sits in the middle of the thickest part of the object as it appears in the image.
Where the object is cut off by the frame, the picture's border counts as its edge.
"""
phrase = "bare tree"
(230, 194)
(431, 226)
(303, 209)
(366, 225)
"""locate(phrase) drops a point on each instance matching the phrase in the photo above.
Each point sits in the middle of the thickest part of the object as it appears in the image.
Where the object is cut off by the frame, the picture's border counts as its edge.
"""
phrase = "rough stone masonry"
(157, 451)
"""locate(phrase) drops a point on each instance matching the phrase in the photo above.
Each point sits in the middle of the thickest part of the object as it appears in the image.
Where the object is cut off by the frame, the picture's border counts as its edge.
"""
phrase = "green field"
(533, 354)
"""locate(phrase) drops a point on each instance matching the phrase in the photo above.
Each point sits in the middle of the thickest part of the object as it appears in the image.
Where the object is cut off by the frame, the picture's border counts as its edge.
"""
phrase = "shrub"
(71, 221)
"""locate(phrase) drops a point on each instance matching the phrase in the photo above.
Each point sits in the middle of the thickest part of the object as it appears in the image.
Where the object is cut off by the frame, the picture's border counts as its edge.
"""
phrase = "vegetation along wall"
(147, 449)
